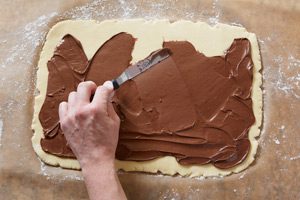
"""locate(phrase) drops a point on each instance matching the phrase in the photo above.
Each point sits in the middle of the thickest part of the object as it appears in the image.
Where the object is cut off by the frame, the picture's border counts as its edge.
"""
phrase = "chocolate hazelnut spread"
(195, 108)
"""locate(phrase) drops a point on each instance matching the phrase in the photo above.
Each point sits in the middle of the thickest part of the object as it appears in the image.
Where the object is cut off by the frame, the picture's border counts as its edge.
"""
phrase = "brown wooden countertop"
(274, 175)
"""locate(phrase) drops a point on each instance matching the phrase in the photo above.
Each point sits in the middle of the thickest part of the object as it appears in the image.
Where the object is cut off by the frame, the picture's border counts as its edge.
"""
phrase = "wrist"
(97, 157)
(95, 172)
(103, 166)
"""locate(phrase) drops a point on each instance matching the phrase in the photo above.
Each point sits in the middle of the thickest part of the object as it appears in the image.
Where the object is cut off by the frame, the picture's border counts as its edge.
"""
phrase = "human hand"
(91, 128)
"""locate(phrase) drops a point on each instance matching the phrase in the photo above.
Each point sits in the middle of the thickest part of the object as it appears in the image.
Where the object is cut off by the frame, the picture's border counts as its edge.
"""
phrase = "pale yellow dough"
(150, 35)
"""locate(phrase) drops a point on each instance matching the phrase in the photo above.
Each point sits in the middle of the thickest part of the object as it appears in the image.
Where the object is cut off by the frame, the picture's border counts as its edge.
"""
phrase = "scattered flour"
(49, 175)
(217, 177)
(285, 78)
(282, 131)
(242, 175)
(213, 20)
(19, 49)
(44, 171)
(170, 193)
(281, 74)
(33, 34)
(30, 36)
(128, 8)
(295, 157)
(1, 130)
(283, 169)
(72, 177)
(201, 178)
(288, 76)
(276, 141)
(108, 9)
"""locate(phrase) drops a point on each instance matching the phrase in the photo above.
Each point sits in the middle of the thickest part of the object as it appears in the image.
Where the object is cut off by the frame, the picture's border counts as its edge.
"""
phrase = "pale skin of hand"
(91, 129)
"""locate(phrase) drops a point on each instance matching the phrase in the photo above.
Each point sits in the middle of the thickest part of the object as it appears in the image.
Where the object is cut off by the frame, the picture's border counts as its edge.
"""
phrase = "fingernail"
(108, 85)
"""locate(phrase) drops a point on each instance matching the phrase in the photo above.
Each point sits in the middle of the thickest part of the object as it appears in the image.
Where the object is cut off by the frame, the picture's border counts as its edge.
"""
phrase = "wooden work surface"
(275, 173)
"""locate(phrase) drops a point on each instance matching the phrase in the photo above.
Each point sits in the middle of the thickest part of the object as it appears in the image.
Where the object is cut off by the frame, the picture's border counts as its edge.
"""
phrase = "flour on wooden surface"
(1, 129)
(282, 78)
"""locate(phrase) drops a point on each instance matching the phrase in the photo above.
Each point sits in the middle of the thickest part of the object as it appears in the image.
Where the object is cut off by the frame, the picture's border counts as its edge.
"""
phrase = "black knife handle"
(115, 84)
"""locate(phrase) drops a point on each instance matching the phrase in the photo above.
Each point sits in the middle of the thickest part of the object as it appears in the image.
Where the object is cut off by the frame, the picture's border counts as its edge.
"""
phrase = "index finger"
(85, 90)
(102, 95)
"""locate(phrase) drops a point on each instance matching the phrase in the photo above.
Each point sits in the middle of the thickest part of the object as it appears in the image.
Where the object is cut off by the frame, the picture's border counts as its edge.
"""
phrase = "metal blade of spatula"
(141, 66)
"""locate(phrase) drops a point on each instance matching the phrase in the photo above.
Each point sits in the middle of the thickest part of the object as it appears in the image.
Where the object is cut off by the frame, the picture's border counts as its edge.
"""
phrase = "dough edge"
(93, 34)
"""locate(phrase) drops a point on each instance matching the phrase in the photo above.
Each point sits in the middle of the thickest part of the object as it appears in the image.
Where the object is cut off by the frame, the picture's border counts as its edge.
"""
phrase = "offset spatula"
(141, 66)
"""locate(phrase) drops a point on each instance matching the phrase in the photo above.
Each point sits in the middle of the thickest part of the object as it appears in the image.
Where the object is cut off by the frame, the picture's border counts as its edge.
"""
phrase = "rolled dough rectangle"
(208, 40)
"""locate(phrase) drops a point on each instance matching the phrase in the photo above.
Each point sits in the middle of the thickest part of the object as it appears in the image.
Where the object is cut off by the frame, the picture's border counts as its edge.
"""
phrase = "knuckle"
(64, 123)
(96, 110)
(80, 114)
(93, 109)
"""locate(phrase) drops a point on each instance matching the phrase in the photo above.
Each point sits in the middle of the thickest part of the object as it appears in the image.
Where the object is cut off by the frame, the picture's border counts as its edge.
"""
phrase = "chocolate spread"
(195, 108)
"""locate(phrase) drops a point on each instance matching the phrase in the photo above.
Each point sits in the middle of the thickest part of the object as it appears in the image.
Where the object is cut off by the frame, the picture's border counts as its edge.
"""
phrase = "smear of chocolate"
(67, 68)
(195, 108)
